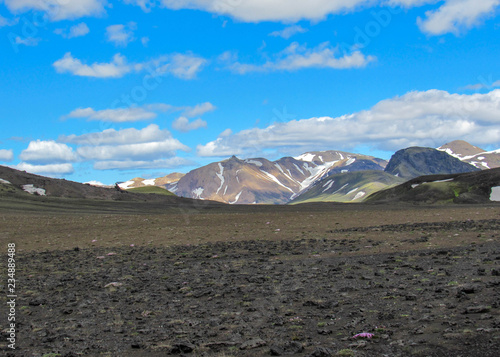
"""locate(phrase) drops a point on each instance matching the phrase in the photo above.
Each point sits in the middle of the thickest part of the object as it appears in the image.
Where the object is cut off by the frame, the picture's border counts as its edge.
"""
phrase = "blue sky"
(110, 90)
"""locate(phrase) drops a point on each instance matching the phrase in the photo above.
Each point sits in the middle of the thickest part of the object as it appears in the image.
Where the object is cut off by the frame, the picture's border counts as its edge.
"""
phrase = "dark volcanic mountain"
(472, 187)
(418, 161)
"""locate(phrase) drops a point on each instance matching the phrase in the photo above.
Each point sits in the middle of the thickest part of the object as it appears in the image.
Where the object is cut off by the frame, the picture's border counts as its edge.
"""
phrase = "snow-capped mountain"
(259, 180)
(473, 155)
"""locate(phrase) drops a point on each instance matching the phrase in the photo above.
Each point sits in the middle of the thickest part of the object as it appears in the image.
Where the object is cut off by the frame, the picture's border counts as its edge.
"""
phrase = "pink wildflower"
(111, 253)
(363, 335)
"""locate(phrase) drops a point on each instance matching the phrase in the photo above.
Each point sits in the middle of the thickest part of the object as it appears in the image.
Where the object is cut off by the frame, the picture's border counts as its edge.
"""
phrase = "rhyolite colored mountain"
(259, 180)
(473, 155)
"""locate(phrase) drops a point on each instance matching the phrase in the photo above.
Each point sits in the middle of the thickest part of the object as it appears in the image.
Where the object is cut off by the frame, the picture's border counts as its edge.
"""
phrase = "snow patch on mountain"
(495, 194)
(359, 195)
(236, 198)
(220, 175)
(273, 178)
(308, 157)
(254, 162)
(34, 190)
(150, 182)
(198, 192)
(5, 181)
(126, 185)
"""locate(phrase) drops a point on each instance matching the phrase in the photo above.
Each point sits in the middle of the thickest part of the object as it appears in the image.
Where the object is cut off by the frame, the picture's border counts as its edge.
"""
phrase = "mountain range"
(319, 175)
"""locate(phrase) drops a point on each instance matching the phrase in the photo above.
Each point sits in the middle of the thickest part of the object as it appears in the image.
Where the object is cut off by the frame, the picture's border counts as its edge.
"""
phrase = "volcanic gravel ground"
(300, 297)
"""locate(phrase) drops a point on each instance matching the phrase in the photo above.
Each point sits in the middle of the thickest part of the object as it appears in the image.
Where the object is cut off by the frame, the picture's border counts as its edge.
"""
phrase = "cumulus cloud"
(6, 155)
(119, 115)
(78, 30)
(117, 68)
(59, 10)
(149, 151)
(288, 32)
(183, 124)
(43, 152)
(183, 66)
(296, 57)
(121, 35)
(456, 16)
(151, 133)
(449, 16)
(427, 118)
(49, 169)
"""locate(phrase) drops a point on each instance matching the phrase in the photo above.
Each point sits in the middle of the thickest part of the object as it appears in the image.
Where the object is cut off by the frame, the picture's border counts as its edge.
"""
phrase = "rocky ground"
(415, 289)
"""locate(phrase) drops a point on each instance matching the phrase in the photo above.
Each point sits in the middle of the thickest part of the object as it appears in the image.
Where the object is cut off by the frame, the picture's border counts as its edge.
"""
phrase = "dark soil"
(303, 297)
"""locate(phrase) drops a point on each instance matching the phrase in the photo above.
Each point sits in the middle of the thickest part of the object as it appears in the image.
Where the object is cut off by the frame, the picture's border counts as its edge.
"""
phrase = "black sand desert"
(214, 280)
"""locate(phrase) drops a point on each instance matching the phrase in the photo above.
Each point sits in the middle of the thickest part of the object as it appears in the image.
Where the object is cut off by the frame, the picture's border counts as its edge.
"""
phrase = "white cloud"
(183, 66)
(117, 68)
(296, 57)
(418, 118)
(146, 151)
(6, 22)
(183, 124)
(169, 163)
(27, 41)
(451, 15)
(119, 115)
(59, 9)
(288, 32)
(6, 155)
(269, 10)
(483, 85)
(145, 41)
(50, 169)
(78, 30)
(456, 16)
(199, 109)
(121, 35)
(151, 133)
(47, 152)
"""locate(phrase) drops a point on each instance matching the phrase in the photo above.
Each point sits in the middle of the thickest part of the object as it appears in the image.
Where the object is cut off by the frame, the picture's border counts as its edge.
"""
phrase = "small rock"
(477, 309)
(321, 352)
(251, 344)
(182, 347)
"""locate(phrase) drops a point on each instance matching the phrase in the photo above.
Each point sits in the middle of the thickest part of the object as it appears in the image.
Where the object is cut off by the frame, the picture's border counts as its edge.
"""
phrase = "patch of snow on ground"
(173, 189)
(150, 182)
(34, 190)
(480, 158)
(485, 165)
(359, 195)
(125, 185)
(415, 185)
(220, 175)
(5, 181)
(451, 153)
(254, 162)
(236, 198)
(495, 194)
(198, 192)
(340, 189)
(344, 171)
(316, 173)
